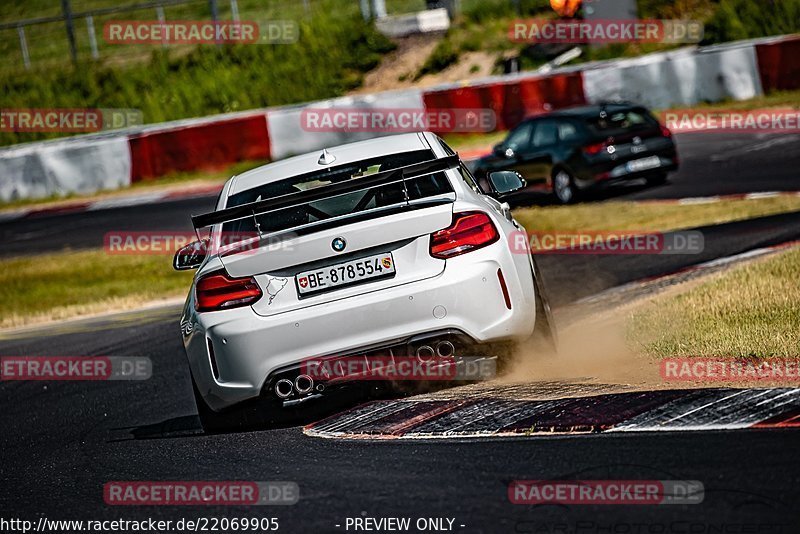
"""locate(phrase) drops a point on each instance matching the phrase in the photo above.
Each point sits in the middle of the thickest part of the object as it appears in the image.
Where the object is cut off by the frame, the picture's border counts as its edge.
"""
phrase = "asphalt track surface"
(62, 441)
(712, 164)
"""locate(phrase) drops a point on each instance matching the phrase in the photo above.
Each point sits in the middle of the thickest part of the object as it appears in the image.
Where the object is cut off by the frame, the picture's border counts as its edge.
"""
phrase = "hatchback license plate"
(644, 164)
(347, 273)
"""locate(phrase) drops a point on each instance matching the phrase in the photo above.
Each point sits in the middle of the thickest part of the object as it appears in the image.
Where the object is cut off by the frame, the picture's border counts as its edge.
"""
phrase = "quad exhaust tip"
(445, 349)
(304, 384)
(425, 354)
(284, 388)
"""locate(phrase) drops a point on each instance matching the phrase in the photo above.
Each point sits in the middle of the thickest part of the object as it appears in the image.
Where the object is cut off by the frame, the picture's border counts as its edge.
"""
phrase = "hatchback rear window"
(618, 122)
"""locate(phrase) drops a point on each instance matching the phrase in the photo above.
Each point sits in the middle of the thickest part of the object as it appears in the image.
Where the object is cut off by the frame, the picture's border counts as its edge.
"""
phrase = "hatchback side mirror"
(506, 182)
(190, 256)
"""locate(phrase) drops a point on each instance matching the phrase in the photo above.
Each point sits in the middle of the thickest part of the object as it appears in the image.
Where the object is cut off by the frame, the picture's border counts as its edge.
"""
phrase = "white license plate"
(345, 274)
(643, 164)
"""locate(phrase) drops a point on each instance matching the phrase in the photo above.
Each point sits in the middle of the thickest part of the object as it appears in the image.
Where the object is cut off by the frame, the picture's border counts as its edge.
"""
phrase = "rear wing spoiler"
(401, 174)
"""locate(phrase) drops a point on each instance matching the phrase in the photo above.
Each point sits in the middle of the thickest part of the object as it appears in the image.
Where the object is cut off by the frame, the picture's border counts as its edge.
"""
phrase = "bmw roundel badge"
(338, 244)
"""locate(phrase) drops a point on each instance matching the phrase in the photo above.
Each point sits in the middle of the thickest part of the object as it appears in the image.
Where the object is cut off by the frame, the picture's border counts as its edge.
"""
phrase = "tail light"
(595, 148)
(665, 131)
(218, 291)
(469, 231)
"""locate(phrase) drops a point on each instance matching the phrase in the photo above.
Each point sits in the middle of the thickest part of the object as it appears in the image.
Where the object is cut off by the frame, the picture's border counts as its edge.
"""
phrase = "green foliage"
(745, 19)
(329, 58)
(480, 11)
(442, 57)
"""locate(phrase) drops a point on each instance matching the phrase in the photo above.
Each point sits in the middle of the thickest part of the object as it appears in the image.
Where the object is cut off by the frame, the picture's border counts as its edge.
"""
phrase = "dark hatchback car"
(572, 150)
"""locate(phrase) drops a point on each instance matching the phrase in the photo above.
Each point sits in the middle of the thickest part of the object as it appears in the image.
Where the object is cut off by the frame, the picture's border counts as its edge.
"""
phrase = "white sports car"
(385, 246)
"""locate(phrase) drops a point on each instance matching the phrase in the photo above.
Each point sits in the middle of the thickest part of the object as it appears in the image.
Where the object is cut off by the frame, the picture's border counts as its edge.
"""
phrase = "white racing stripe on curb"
(699, 200)
(13, 215)
(714, 410)
(765, 194)
(125, 202)
(718, 198)
(336, 427)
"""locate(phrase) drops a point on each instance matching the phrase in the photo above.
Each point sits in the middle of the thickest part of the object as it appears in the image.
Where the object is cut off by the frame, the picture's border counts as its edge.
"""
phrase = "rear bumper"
(622, 173)
(466, 296)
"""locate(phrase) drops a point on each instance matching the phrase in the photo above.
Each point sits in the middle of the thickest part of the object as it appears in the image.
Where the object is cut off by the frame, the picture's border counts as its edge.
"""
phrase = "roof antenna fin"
(326, 158)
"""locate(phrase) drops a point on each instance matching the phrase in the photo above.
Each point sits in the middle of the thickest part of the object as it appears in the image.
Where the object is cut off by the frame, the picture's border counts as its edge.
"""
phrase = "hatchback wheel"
(564, 187)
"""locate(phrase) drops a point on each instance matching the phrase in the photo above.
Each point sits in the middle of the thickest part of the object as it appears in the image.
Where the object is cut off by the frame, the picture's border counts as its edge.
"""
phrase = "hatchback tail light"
(469, 231)
(217, 291)
(665, 131)
(595, 148)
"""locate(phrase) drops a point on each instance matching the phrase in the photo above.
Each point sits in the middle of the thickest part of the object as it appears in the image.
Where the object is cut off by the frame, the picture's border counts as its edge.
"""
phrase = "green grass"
(470, 141)
(648, 216)
(749, 312)
(61, 285)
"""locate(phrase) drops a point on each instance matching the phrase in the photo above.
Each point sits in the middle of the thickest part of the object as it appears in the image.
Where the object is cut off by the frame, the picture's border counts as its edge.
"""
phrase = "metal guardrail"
(68, 17)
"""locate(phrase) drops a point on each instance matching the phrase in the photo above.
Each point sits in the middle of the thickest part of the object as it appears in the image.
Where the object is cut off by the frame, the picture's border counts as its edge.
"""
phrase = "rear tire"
(247, 415)
(544, 335)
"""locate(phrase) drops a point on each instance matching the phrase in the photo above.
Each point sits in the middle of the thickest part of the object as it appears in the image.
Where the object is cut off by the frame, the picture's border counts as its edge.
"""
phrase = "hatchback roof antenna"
(326, 158)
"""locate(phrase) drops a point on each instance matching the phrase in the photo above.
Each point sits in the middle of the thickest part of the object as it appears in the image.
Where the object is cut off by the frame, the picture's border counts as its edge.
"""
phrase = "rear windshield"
(619, 122)
(348, 203)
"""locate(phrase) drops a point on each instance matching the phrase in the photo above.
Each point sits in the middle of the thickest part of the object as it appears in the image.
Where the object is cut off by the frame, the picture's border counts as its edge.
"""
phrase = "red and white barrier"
(84, 164)
(511, 100)
(60, 167)
(210, 144)
(779, 63)
(678, 78)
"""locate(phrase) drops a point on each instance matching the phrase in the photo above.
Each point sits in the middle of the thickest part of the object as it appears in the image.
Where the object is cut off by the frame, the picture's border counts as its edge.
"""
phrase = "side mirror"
(190, 256)
(506, 182)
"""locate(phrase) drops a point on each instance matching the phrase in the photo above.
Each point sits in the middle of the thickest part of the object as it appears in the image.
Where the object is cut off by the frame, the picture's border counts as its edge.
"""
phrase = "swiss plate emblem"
(303, 281)
(387, 263)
